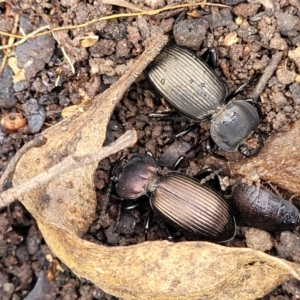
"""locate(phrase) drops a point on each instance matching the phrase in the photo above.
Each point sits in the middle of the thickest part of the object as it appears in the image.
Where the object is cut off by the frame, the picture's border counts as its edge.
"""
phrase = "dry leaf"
(68, 111)
(89, 40)
(19, 74)
(164, 270)
(230, 39)
(153, 270)
(79, 134)
(277, 162)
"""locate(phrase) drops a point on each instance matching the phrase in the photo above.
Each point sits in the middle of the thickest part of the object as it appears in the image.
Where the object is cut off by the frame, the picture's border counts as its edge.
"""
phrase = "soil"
(245, 36)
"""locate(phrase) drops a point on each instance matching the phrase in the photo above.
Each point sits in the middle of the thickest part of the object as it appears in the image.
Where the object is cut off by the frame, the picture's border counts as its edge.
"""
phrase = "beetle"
(193, 88)
(258, 207)
(180, 200)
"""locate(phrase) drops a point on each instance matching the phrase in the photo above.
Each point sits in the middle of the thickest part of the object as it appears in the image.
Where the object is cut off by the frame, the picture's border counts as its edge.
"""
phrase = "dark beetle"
(180, 200)
(258, 207)
(195, 91)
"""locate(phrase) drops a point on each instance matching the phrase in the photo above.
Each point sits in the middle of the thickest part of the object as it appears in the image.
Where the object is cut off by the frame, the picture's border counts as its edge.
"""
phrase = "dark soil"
(262, 27)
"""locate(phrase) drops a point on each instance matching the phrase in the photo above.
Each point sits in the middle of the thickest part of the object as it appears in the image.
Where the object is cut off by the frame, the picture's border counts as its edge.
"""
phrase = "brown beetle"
(180, 200)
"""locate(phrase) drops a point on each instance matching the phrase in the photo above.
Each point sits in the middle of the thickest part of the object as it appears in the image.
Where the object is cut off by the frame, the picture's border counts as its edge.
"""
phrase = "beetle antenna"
(229, 164)
(218, 172)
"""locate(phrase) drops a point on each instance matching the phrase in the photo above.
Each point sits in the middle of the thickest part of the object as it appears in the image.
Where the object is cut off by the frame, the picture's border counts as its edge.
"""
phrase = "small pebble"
(7, 98)
(190, 33)
(219, 18)
(278, 43)
(126, 223)
(285, 76)
(280, 100)
(35, 115)
(288, 24)
(289, 246)
(295, 90)
(258, 239)
(246, 9)
(112, 237)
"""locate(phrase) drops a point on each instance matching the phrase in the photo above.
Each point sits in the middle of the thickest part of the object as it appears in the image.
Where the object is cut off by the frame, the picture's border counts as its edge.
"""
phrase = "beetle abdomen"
(194, 208)
(233, 124)
(187, 83)
(258, 207)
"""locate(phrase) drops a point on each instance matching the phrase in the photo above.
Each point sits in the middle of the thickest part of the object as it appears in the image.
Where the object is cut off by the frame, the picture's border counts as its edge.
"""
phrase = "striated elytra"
(260, 208)
(194, 90)
(180, 200)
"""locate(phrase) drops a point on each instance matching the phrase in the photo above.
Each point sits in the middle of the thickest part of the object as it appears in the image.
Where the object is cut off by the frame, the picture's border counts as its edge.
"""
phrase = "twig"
(70, 163)
(114, 16)
(38, 141)
(122, 3)
(266, 76)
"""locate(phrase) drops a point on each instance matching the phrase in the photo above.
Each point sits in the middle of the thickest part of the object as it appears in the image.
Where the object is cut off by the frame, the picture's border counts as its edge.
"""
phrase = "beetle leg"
(148, 223)
(237, 91)
(211, 148)
(168, 233)
(256, 105)
(210, 57)
(165, 114)
(133, 206)
(118, 218)
(172, 138)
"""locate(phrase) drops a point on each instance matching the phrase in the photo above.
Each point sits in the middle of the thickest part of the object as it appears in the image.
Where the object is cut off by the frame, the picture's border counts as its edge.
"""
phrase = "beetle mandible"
(180, 200)
(194, 90)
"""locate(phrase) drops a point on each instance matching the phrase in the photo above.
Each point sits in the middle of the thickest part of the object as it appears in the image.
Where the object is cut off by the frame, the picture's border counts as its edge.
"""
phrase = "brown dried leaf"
(164, 270)
(278, 161)
(19, 74)
(61, 201)
(89, 40)
(153, 270)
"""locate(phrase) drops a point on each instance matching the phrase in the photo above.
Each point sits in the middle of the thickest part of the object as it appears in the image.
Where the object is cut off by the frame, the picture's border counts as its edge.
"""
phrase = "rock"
(295, 90)
(102, 48)
(246, 30)
(219, 18)
(232, 2)
(112, 237)
(143, 27)
(267, 4)
(287, 23)
(278, 43)
(7, 98)
(123, 48)
(35, 115)
(295, 56)
(190, 33)
(154, 4)
(43, 289)
(292, 287)
(34, 53)
(296, 40)
(246, 9)
(258, 239)
(102, 66)
(126, 223)
(289, 246)
(285, 76)
(280, 100)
